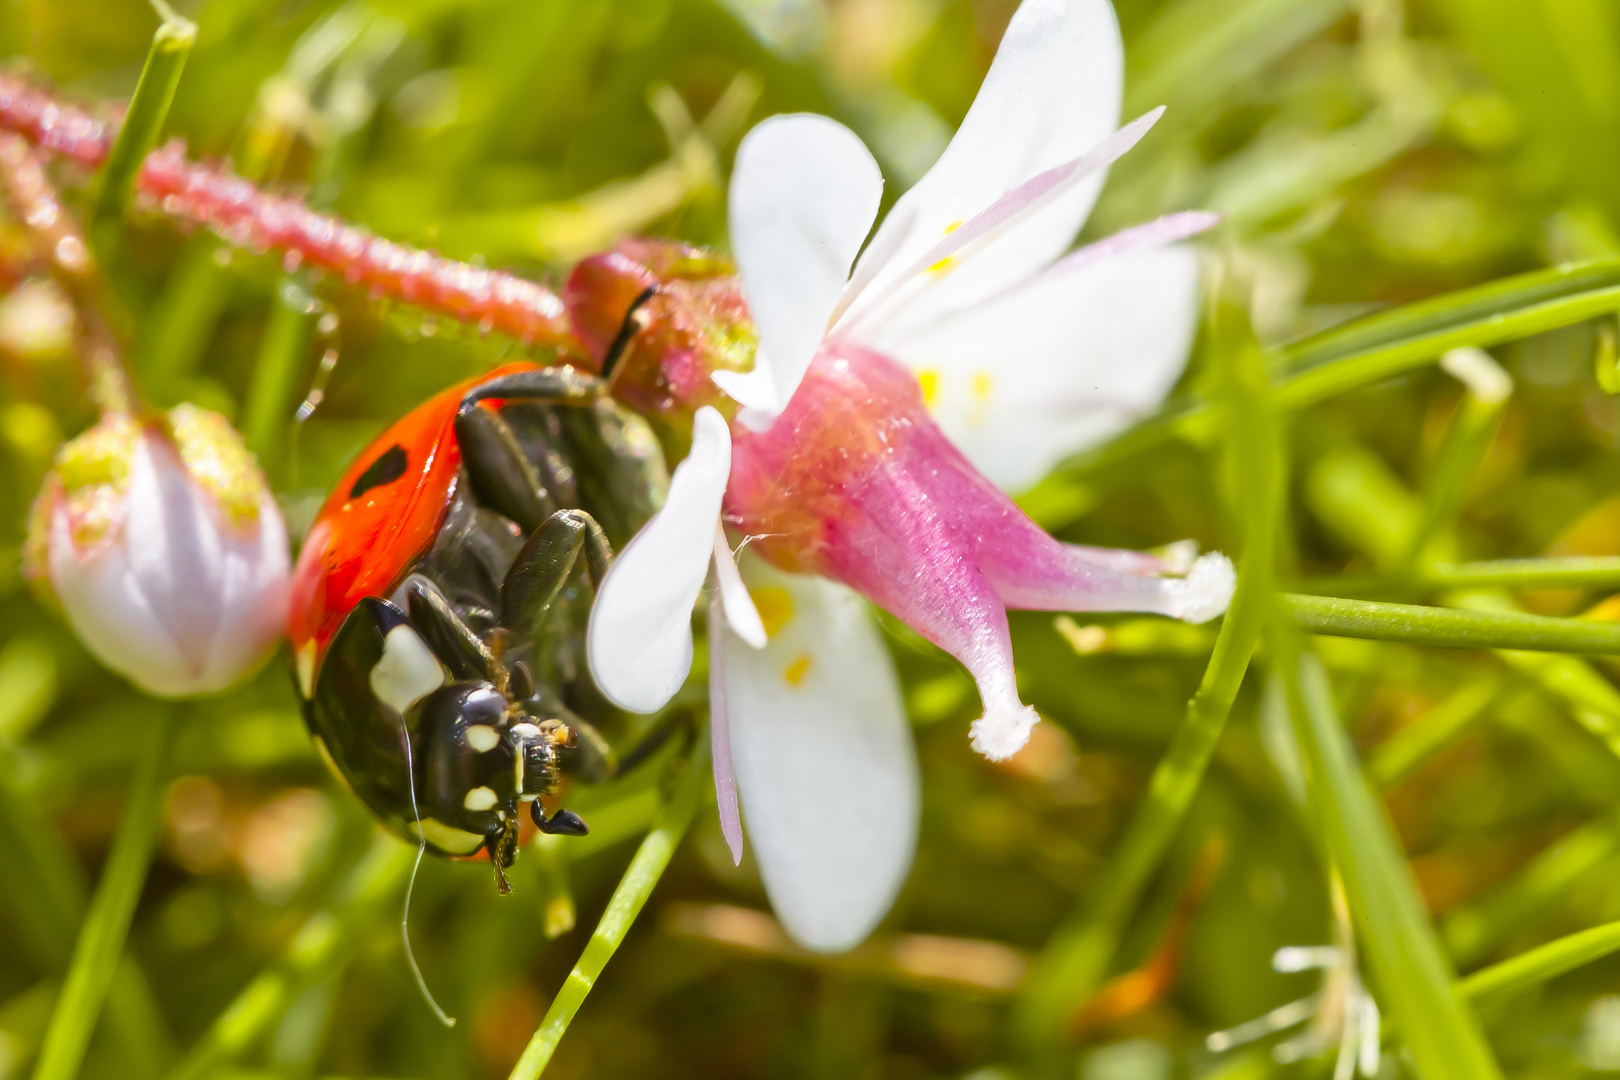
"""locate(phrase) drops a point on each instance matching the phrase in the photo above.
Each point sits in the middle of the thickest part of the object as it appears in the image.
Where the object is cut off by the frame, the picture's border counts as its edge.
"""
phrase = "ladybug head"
(483, 754)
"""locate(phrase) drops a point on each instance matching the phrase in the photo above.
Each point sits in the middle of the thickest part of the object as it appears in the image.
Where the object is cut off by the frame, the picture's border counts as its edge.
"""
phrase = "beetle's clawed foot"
(502, 843)
(562, 823)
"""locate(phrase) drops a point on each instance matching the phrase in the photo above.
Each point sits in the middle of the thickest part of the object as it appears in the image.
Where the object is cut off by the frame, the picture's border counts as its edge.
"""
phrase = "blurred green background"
(1365, 154)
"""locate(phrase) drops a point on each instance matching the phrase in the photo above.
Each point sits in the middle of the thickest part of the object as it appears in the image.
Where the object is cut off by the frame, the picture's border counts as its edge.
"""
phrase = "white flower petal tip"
(804, 193)
(639, 640)
(1001, 733)
(1206, 590)
(1178, 556)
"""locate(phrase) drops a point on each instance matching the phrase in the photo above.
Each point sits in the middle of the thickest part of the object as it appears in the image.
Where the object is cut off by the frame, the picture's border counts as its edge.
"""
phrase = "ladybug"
(439, 600)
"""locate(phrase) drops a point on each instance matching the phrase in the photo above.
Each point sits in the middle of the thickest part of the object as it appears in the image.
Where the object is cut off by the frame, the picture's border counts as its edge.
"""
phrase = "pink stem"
(251, 218)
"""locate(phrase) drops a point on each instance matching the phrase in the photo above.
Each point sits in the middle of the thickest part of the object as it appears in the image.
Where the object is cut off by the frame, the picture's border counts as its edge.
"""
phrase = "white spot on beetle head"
(483, 738)
(479, 799)
(407, 672)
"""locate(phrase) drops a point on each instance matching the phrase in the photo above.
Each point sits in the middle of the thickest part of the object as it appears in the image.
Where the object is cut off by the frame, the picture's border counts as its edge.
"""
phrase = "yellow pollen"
(981, 385)
(943, 265)
(953, 226)
(775, 607)
(928, 378)
(794, 672)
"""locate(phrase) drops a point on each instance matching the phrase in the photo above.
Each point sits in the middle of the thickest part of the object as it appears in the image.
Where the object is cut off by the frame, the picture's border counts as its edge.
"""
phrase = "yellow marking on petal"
(953, 226)
(981, 385)
(775, 607)
(943, 265)
(928, 378)
(981, 388)
(794, 672)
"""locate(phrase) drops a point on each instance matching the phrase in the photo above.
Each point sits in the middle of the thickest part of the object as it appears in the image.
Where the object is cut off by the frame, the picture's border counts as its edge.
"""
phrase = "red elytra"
(363, 545)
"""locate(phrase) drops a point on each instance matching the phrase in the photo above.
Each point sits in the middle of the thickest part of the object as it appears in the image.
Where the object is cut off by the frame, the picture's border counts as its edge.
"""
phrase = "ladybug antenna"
(410, 887)
(627, 331)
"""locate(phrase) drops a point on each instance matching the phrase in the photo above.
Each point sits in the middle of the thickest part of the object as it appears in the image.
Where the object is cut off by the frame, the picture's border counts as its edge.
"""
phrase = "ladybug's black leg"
(502, 476)
(558, 385)
(452, 640)
(542, 567)
(502, 842)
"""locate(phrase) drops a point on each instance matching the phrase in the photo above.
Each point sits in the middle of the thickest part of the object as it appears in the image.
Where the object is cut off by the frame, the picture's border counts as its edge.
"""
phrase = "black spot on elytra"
(388, 467)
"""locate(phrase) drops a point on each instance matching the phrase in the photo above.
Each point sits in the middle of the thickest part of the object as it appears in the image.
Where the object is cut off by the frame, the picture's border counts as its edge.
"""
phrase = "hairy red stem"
(249, 217)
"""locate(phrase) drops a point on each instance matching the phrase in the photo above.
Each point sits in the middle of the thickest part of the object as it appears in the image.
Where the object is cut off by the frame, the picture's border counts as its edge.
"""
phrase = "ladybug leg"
(543, 565)
(450, 639)
(502, 843)
(502, 476)
(557, 385)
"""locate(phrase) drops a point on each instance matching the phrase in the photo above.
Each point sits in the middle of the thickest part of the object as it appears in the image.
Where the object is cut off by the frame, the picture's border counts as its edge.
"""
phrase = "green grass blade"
(268, 410)
(1540, 964)
(1450, 628)
(645, 868)
(101, 939)
(154, 93)
(1411, 976)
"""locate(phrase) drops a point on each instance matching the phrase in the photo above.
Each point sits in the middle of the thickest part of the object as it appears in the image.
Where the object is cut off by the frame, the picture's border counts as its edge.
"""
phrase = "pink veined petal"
(804, 194)
(1052, 93)
(725, 778)
(639, 640)
(826, 766)
(741, 614)
(1058, 364)
(1022, 200)
(1161, 232)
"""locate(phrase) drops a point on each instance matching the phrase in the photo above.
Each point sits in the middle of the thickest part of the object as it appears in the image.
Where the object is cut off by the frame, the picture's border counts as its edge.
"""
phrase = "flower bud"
(165, 550)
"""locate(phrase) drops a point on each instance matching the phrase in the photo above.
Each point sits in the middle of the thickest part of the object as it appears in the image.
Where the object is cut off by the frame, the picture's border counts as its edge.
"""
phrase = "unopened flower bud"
(165, 549)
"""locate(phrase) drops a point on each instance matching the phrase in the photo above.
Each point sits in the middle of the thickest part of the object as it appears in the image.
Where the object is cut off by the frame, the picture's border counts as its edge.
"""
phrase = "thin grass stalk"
(1450, 628)
(1491, 985)
(645, 868)
(1076, 959)
(149, 107)
(1411, 975)
(269, 406)
(100, 944)
(46, 895)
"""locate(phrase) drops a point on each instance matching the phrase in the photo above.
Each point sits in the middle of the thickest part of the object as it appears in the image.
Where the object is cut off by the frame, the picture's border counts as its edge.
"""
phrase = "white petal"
(640, 634)
(1059, 364)
(1052, 93)
(100, 595)
(931, 286)
(825, 762)
(253, 598)
(173, 545)
(740, 612)
(804, 194)
(725, 776)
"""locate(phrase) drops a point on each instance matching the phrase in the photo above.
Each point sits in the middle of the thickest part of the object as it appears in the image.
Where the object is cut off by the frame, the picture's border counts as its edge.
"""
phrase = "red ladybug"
(439, 602)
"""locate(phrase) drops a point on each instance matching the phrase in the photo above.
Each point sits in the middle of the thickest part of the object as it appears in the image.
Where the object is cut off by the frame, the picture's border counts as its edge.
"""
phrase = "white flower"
(165, 550)
(835, 468)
